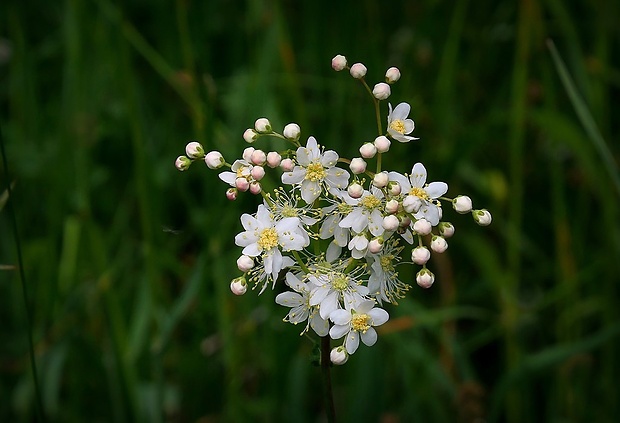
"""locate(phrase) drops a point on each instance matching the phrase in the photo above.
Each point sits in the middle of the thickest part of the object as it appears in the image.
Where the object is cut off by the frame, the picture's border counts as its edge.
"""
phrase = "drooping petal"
(369, 337)
(418, 175)
(294, 282)
(337, 331)
(333, 251)
(378, 316)
(289, 299)
(341, 236)
(276, 263)
(352, 342)
(436, 189)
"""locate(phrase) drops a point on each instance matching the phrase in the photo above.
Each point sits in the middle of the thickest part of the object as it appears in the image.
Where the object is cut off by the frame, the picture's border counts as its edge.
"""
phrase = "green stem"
(300, 262)
(327, 380)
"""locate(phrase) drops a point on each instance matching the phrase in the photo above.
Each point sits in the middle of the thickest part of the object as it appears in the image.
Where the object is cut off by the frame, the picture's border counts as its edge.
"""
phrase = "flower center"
(340, 282)
(398, 125)
(359, 322)
(315, 172)
(289, 211)
(268, 239)
(386, 262)
(419, 192)
(370, 202)
(344, 208)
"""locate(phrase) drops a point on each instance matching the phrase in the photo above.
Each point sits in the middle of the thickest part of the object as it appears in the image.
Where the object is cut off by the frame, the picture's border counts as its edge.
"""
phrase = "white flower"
(264, 237)
(301, 310)
(398, 124)
(381, 91)
(383, 282)
(333, 288)
(357, 323)
(334, 215)
(315, 170)
(283, 206)
(366, 213)
(415, 185)
(239, 169)
(339, 62)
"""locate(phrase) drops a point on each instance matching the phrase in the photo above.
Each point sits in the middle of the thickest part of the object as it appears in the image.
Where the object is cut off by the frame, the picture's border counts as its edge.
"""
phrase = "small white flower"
(366, 213)
(214, 160)
(301, 310)
(357, 166)
(316, 170)
(425, 278)
(392, 75)
(358, 71)
(399, 126)
(339, 62)
(292, 131)
(333, 289)
(262, 126)
(357, 323)
(482, 217)
(439, 244)
(334, 214)
(462, 204)
(381, 91)
(338, 355)
(182, 163)
(383, 282)
(368, 150)
(250, 135)
(240, 169)
(194, 150)
(420, 255)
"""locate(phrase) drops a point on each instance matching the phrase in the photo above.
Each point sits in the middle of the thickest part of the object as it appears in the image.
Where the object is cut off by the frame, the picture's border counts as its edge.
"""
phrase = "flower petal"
(352, 341)
(436, 189)
(329, 158)
(296, 176)
(289, 299)
(338, 331)
(320, 325)
(378, 316)
(310, 191)
(251, 250)
(418, 175)
(401, 111)
(329, 305)
(340, 317)
(369, 337)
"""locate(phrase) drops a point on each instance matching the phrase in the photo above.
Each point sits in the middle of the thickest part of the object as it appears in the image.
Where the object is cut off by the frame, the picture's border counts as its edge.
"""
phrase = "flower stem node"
(194, 150)
(182, 163)
(422, 227)
(239, 286)
(382, 143)
(439, 244)
(381, 91)
(214, 160)
(245, 263)
(420, 255)
(425, 278)
(358, 71)
(368, 150)
(482, 217)
(392, 75)
(391, 206)
(355, 190)
(273, 159)
(375, 245)
(339, 62)
(390, 223)
(258, 157)
(231, 194)
(258, 173)
(255, 187)
(287, 165)
(462, 204)
(292, 131)
(357, 166)
(338, 355)
(262, 126)
(380, 179)
(250, 135)
(446, 229)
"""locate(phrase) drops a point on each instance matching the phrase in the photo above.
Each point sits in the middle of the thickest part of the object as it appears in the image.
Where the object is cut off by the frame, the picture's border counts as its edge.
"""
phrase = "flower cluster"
(335, 232)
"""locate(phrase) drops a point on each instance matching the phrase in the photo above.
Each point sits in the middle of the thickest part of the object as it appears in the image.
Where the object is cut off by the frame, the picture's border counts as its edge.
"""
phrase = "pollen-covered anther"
(360, 322)
(315, 172)
(398, 125)
(268, 239)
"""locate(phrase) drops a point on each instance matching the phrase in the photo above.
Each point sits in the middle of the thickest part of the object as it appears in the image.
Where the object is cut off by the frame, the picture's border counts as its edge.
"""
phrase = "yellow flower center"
(289, 211)
(340, 282)
(344, 208)
(359, 322)
(315, 172)
(386, 262)
(268, 239)
(398, 125)
(370, 202)
(419, 192)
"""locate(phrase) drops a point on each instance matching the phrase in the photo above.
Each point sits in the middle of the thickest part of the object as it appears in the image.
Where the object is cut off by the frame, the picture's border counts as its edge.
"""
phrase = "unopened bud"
(422, 227)
(182, 163)
(425, 278)
(392, 75)
(292, 131)
(194, 150)
(231, 194)
(375, 245)
(381, 91)
(358, 71)
(255, 187)
(258, 157)
(245, 263)
(247, 154)
(412, 203)
(258, 173)
(214, 159)
(242, 184)
(391, 206)
(482, 217)
(394, 188)
(355, 190)
(382, 143)
(439, 244)
(368, 150)
(287, 165)
(390, 223)
(239, 286)
(338, 355)
(339, 62)
(380, 179)
(420, 255)
(262, 126)
(462, 204)
(357, 166)
(446, 229)
(250, 135)
(273, 159)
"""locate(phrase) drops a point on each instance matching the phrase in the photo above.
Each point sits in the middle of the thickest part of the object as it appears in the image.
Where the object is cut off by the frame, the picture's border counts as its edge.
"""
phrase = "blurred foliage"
(128, 261)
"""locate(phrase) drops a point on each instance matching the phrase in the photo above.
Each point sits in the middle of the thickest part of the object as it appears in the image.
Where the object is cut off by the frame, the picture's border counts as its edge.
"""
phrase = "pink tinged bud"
(292, 131)
(482, 217)
(182, 163)
(446, 229)
(247, 154)
(462, 204)
(422, 227)
(357, 166)
(250, 135)
(425, 278)
(338, 356)
(439, 244)
(339, 62)
(368, 150)
(412, 203)
(245, 263)
(242, 184)
(391, 206)
(382, 143)
(255, 188)
(380, 179)
(358, 71)
(273, 159)
(355, 190)
(258, 157)
(420, 255)
(214, 159)
(390, 223)
(262, 126)
(392, 75)
(231, 194)
(394, 188)
(238, 286)
(375, 245)
(194, 150)
(381, 91)
(257, 172)
(287, 165)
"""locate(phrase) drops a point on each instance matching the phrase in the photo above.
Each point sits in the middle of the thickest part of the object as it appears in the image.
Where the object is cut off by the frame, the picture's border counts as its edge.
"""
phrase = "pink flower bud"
(339, 62)
(287, 165)
(392, 75)
(391, 206)
(250, 135)
(255, 188)
(382, 143)
(368, 150)
(381, 91)
(425, 278)
(247, 154)
(357, 166)
(439, 244)
(394, 188)
(257, 172)
(194, 150)
(245, 263)
(420, 255)
(446, 229)
(273, 159)
(355, 190)
(231, 194)
(214, 159)
(358, 71)
(182, 163)
(292, 131)
(390, 223)
(482, 217)
(380, 179)
(258, 157)
(375, 245)
(242, 184)
(238, 286)
(338, 355)
(422, 227)
(262, 126)
(462, 204)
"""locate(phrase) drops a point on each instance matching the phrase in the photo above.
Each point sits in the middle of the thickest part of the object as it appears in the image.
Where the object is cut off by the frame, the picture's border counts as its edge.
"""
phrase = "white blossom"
(356, 323)
(399, 126)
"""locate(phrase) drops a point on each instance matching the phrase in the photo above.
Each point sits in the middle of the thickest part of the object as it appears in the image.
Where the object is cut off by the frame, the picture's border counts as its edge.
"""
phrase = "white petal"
(263, 216)
(352, 341)
(350, 219)
(252, 250)
(294, 282)
(287, 224)
(401, 179)
(418, 175)
(303, 156)
(341, 236)
(329, 305)
(310, 191)
(401, 111)
(337, 332)
(313, 149)
(409, 126)
(289, 299)
(375, 223)
(320, 325)
(333, 252)
(328, 226)
(245, 238)
(365, 306)
(337, 178)
(298, 314)
(329, 158)
(296, 176)
(378, 316)
(318, 294)
(276, 263)
(360, 242)
(340, 317)
(369, 337)
(436, 189)
(228, 177)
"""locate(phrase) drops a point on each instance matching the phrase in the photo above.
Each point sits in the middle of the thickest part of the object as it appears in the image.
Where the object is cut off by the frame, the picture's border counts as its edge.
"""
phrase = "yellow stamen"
(419, 192)
(315, 172)
(398, 125)
(370, 202)
(268, 239)
(359, 322)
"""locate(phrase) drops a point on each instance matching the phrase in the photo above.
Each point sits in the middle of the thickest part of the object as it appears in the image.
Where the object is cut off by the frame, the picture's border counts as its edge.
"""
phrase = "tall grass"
(129, 261)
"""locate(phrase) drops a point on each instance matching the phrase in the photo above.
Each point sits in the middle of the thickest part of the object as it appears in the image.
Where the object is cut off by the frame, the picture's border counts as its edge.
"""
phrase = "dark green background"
(128, 261)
